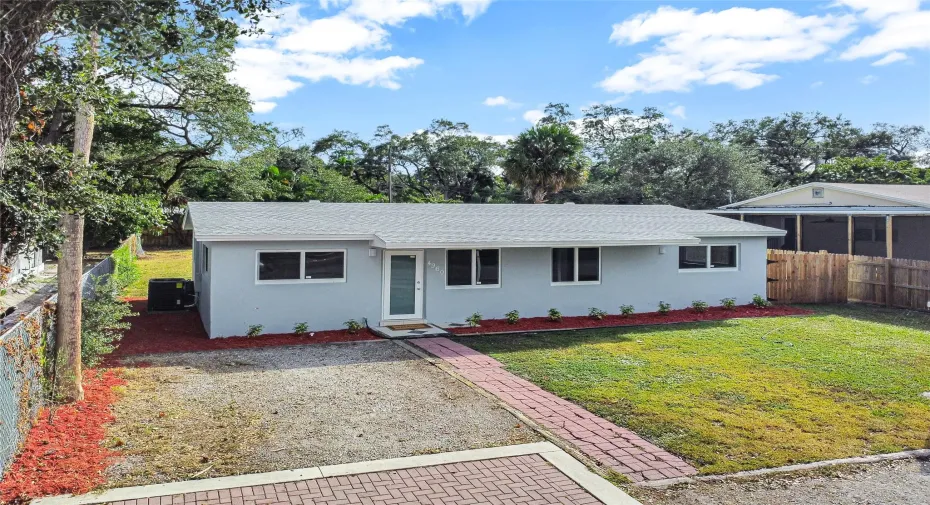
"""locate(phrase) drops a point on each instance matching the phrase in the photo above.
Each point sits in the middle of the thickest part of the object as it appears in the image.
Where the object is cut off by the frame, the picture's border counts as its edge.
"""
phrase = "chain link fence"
(24, 349)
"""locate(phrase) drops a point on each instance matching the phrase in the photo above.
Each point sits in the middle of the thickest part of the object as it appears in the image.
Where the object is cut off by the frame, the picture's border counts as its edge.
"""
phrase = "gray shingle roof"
(444, 225)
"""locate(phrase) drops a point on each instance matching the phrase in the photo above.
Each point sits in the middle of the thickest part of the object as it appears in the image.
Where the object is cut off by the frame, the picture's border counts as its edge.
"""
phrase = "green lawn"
(160, 264)
(745, 394)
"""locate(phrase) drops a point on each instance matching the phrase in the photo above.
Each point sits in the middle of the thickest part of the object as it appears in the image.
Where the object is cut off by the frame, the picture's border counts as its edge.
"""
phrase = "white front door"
(402, 285)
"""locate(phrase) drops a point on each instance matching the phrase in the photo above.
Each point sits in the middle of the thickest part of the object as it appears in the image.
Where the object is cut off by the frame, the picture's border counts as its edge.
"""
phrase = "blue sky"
(357, 64)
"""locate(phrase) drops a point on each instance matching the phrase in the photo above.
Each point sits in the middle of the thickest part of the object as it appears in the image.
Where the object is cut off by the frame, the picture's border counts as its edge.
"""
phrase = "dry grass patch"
(164, 438)
(160, 264)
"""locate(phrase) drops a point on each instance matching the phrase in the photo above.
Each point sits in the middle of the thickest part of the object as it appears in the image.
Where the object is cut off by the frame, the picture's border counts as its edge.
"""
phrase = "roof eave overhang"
(916, 211)
(526, 244)
(853, 191)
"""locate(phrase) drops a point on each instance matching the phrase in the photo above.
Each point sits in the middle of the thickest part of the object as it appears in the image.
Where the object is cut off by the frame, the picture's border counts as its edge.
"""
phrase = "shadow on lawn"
(570, 338)
(912, 319)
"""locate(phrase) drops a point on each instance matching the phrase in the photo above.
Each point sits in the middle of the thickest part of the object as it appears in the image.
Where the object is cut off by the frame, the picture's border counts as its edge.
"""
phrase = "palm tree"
(544, 160)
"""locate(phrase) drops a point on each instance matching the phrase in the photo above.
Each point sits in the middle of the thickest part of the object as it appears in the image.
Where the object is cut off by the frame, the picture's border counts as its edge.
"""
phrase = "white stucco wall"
(638, 276)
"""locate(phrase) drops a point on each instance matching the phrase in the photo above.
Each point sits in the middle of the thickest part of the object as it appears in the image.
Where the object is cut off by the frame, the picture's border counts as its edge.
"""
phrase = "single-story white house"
(278, 264)
(889, 220)
(24, 264)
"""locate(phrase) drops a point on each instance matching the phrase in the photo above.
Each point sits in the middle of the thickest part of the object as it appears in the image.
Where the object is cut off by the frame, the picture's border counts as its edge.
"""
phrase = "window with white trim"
(576, 265)
(301, 266)
(473, 268)
(706, 257)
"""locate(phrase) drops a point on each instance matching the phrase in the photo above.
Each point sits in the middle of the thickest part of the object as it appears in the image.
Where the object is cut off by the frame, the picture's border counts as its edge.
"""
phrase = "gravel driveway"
(898, 483)
(257, 410)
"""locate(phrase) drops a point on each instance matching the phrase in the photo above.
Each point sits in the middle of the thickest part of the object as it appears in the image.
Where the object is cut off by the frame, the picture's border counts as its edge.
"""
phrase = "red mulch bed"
(646, 318)
(66, 456)
(183, 331)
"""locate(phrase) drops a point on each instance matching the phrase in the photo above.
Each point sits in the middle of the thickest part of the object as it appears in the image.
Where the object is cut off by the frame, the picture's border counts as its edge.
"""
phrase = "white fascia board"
(284, 238)
(839, 211)
(513, 245)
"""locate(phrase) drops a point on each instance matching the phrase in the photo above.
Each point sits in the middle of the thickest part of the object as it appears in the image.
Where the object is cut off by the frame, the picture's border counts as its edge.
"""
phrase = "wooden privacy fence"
(807, 277)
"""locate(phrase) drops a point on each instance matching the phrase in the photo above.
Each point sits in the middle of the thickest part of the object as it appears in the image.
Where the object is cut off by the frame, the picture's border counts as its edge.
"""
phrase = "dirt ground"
(898, 483)
(217, 413)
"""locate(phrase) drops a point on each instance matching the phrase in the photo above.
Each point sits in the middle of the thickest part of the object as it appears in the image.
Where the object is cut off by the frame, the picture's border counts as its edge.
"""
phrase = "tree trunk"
(71, 263)
(68, 319)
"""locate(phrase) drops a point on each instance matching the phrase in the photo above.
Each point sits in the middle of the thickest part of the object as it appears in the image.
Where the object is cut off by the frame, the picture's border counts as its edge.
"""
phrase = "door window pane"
(692, 257)
(488, 264)
(324, 265)
(458, 268)
(563, 264)
(273, 266)
(723, 256)
(588, 264)
(403, 285)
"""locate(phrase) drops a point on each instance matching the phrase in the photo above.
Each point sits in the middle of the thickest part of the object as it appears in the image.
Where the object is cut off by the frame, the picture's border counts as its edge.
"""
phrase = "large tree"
(130, 36)
(685, 170)
(877, 170)
(544, 160)
(795, 143)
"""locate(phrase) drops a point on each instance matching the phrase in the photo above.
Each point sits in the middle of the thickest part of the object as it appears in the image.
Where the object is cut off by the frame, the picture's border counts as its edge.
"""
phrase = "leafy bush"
(664, 308)
(254, 330)
(555, 315)
(626, 310)
(102, 316)
(353, 326)
(512, 317)
(597, 313)
(728, 303)
(699, 306)
(759, 301)
(301, 328)
(474, 320)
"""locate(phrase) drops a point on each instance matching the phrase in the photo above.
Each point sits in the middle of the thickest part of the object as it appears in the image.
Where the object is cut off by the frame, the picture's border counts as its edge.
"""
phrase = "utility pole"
(390, 172)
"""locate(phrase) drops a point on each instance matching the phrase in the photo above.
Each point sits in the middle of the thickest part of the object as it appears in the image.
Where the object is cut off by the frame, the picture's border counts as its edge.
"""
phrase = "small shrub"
(597, 313)
(301, 328)
(664, 308)
(728, 303)
(626, 310)
(474, 320)
(254, 330)
(759, 301)
(699, 306)
(512, 317)
(555, 315)
(353, 326)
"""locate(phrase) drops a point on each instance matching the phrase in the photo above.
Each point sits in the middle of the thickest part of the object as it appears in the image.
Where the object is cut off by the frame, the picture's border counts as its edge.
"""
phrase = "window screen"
(588, 264)
(723, 256)
(488, 266)
(324, 265)
(692, 257)
(563, 264)
(274, 266)
(458, 267)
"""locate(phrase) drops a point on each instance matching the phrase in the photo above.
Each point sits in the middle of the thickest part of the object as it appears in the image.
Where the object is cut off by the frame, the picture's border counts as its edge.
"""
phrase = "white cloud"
(874, 10)
(890, 58)
(497, 101)
(534, 115)
(296, 49)
(678, 111)
(869, 79)
(262, 107)
(500, 139)
(725, 47)
(896, 33)
(395, 12)
(816, 84)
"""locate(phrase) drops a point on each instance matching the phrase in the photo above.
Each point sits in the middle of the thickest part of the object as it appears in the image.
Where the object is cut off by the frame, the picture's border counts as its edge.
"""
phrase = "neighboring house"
(277, 264)
(25, 264)
(864, 219)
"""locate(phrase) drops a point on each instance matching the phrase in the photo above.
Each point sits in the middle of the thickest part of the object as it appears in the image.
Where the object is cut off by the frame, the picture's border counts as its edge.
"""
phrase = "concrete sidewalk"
(538, 473)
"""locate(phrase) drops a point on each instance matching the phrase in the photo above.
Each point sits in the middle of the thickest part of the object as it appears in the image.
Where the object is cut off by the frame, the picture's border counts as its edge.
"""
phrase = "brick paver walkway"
(504, 481)
(609, 444)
